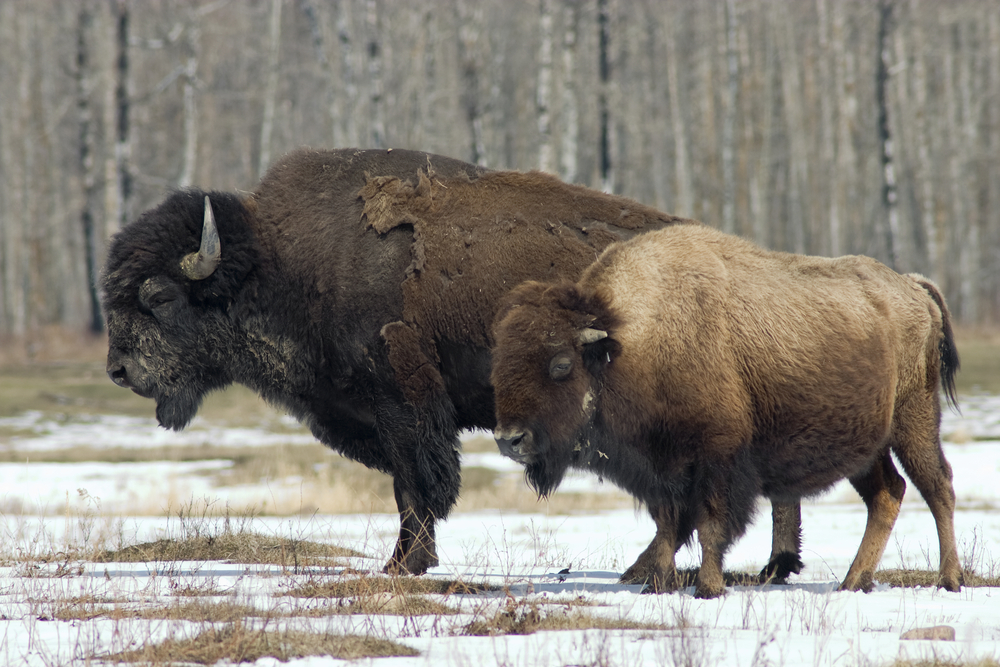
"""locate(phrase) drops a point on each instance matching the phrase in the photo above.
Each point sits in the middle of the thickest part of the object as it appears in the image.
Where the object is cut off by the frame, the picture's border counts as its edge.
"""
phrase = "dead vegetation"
(364, 585)
(900, 578)
(247, 548)
(243, 642)
(528, 616)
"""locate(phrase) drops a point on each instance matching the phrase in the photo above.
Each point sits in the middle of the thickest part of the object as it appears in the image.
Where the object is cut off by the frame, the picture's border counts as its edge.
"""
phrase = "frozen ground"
(804, 623)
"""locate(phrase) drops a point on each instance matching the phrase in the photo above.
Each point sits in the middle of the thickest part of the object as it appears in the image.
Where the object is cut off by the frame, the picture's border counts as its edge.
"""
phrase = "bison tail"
(949, 352)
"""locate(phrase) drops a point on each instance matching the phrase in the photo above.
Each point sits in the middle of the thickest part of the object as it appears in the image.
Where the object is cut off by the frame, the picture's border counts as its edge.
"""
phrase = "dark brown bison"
(698, 372)
(355, 289)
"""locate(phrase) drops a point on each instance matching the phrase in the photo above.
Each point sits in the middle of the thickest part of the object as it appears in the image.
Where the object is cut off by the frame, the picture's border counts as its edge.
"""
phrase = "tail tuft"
(946, 346)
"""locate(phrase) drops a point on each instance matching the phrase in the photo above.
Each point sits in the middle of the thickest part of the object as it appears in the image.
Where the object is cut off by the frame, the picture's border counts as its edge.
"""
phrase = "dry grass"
(248, 547)
(945, 662)
(929, 579)
(199, 610)
(228, 537)
(367, 585)
(525, 617)
(240, 642)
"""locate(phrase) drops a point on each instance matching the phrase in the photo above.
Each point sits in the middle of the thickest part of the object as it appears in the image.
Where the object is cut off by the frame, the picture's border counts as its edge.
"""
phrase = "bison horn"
(588, 336)
(200, 265)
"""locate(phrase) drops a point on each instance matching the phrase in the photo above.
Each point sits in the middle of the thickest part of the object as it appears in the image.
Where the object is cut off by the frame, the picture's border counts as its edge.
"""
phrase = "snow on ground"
(803, 623)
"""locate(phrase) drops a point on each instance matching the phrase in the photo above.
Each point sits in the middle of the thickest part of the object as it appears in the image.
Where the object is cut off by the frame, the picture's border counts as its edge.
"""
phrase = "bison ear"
(599, 354)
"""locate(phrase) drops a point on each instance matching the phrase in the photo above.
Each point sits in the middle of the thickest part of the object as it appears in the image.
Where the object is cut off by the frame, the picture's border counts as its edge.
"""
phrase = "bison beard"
(355, 289)
(699, 372)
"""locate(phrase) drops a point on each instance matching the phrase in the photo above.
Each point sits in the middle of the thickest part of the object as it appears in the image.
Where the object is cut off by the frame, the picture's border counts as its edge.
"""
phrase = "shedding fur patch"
(476, 239)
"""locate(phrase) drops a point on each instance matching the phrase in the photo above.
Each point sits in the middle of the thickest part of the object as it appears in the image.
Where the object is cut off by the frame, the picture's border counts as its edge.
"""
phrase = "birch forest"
(821, 126)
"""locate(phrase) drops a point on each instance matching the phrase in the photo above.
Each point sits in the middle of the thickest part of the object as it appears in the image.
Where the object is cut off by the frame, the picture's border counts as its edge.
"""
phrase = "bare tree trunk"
(13, 130)
(963, 182)
(991, 219)
(270, 88)
(543, 97)
(375, 74)
(88, 163)
(190, 159)
(847, 111)
(729, 121)
(570, 114)
(607, 139)
(684, 187)
(889, 194)
(117, 169)
(924, 165)
(470, 57)
(830, 175)
(798, 159)
(760, 168)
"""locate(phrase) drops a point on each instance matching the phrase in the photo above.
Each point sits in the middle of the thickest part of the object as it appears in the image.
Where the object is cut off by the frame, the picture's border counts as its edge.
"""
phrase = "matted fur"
(731, 372)
(356, 289)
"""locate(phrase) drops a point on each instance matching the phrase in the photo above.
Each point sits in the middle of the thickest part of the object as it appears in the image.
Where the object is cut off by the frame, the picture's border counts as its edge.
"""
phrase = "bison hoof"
(660, 583)
(863, 583)
(951, 582)
(412, 563)
(782, 565)
(633, 577)
(708, 592)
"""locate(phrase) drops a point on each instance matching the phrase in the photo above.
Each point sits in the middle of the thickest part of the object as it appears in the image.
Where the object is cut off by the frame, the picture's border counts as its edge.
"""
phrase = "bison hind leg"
(780, 567)
(786, 541)
(918, 447)
(882, 489)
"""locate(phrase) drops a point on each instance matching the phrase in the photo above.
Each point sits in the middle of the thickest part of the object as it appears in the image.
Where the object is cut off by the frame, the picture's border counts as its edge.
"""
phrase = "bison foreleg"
(655, 566)
(415, 550)
(882, 488)
(786, 543)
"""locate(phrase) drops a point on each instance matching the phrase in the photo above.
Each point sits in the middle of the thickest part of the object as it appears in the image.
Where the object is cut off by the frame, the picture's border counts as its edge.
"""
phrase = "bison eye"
(157, 295)
(560, 366)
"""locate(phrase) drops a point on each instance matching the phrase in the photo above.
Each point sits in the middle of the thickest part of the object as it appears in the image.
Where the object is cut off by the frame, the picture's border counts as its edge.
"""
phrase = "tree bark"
(684, 188)
(729, 121)
(190, 155)
(88, 162)
(889, 191)
(271, 87)
(570, 115)
(543, 99)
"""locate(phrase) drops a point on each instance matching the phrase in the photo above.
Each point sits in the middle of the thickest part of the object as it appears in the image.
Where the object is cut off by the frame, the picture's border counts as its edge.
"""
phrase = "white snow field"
(806, 622)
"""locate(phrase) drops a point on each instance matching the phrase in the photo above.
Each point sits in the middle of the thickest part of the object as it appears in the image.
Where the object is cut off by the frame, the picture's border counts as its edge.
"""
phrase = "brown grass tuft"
(240, 642)
(929, 579)
(945, 662)
(239, 547)
(525, 617)
(181, 610)
(369, 585)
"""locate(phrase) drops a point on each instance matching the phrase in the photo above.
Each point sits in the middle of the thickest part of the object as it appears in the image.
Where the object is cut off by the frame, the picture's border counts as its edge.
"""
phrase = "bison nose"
(119, 375)
(511, 444)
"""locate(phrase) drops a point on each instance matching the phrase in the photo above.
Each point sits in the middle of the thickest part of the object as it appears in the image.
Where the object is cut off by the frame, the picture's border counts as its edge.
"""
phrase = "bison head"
(552, 344)
(169, 280)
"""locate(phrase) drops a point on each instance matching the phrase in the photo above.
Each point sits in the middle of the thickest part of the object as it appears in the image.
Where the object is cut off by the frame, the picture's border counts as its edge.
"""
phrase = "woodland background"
(819, 126)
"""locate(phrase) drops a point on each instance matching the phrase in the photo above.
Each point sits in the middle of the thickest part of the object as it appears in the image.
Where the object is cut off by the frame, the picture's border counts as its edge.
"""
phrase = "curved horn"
(200, 265)
(587, 336)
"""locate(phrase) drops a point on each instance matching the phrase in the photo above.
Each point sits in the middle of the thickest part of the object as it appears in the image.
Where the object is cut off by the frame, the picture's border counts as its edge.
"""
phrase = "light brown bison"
(699, 371)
